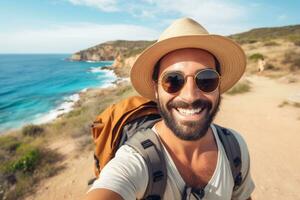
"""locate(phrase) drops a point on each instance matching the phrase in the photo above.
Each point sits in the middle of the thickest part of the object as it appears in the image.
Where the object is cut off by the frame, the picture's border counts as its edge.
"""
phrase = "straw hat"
(187, 33)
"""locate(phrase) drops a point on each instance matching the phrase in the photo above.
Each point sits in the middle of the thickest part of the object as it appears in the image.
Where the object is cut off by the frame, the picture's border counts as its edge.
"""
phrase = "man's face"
(189, 112)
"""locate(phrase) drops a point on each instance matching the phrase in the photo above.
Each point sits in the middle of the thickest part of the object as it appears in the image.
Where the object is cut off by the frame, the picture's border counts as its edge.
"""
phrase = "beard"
(189, 130)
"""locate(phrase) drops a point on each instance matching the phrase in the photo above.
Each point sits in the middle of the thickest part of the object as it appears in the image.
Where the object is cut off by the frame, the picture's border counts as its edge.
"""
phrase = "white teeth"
(189, 111)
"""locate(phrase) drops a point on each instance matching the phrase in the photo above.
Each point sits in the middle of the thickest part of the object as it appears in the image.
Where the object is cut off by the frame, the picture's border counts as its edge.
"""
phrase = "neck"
(185, 148)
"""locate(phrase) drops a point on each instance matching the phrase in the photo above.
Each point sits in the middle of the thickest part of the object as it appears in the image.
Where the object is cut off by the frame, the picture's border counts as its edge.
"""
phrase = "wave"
(83, 90)
(11, 91)
(96, 69)
(109, 73)
(63, 108)
(107, 77)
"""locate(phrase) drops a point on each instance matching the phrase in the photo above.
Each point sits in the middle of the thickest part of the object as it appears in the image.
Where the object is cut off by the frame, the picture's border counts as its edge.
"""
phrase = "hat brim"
(230, 55)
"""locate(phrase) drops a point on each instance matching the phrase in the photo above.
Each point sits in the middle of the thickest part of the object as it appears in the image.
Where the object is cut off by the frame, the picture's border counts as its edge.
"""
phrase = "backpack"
(129, 122)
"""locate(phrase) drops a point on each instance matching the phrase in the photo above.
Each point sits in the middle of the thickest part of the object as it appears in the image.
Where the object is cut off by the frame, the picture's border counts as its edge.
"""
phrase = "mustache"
(194, 105)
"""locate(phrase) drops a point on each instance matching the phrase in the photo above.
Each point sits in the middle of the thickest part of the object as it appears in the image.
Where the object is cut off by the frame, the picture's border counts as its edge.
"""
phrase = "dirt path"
(71, 182)
(272, 134)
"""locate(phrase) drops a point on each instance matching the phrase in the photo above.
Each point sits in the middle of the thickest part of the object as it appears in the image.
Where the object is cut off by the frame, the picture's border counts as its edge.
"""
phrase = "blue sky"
(66, 26)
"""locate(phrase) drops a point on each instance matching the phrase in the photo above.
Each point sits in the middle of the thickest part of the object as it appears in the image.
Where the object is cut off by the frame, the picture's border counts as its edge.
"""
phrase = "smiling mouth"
(189, 111)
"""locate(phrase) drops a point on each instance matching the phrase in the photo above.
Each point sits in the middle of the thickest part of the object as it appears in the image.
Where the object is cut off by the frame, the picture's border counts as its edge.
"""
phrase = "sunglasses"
(207, 80)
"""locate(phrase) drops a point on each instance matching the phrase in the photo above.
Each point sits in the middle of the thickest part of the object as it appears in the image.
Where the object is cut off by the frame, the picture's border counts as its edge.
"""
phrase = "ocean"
(36, 88)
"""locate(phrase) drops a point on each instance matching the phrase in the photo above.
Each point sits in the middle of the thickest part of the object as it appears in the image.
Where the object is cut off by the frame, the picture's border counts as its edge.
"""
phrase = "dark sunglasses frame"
(167, 74)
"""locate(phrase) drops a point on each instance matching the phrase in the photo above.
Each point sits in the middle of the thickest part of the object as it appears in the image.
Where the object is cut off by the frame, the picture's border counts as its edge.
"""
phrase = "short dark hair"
(157, 65)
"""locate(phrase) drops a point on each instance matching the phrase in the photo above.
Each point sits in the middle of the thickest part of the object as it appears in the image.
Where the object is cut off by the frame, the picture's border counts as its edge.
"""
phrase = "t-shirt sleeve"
(247, 187)
(126, 174)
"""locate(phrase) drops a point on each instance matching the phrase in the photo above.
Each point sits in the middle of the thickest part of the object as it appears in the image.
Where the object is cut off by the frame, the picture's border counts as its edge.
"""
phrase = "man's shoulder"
(239, 138)
(126, 150)
(237, 135)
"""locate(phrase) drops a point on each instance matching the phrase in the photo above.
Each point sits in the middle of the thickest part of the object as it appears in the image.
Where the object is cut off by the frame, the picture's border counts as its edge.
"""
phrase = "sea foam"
(63, 108)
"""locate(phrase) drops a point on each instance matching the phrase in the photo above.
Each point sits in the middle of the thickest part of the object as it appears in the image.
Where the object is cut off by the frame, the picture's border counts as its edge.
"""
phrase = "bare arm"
(102, 194)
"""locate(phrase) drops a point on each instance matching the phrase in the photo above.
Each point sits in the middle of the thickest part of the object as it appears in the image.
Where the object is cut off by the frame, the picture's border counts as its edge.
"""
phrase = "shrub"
(84, 130)
(256, 56)
(23, 185)
(74, 113)
(239, 88)
(251, 41)
(271, 43)
(295, 65)
(9, 143)
(32, 130)
(25, 167)
(270, 66)
(297, 43)
(26, 163)
(294, 104)
(284, 103)
(294, 38)
(293, 59)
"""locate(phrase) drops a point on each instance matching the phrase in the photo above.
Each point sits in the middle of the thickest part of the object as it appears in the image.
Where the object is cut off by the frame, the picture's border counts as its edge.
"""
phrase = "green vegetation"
(295, 39)
(24, 161)
(24, 157)
(131, 48)
(289, 33)
(124, 48)
(32, 130)
(255, 57)
(240, 88)
(76, 124)
(9, 143)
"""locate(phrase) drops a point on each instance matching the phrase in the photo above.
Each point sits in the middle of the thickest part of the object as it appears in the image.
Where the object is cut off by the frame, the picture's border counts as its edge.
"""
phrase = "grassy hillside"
(26, 157)
(111, 50)
(288, 33)
(278, 48)
(129, 48)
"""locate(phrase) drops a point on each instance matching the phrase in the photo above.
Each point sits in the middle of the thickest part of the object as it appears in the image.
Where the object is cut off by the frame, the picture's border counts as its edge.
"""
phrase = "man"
(185, 72)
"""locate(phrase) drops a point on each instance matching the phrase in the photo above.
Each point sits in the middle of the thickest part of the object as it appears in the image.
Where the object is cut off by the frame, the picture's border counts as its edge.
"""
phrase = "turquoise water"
(37, 88)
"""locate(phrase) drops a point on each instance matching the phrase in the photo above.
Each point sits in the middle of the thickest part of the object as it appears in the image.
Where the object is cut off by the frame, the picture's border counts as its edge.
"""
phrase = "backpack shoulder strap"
(233, 153)
(147, 143)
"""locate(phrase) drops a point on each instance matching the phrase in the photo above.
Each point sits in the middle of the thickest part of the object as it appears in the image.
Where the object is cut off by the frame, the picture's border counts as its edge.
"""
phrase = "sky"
(67, 26)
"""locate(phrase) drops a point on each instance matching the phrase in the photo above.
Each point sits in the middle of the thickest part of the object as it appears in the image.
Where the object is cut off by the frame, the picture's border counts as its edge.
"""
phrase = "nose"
(190, 91)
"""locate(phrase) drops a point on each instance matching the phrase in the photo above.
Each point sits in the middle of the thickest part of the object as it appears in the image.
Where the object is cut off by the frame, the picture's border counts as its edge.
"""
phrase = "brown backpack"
(117, 124)
(107, 128)
(129, 121)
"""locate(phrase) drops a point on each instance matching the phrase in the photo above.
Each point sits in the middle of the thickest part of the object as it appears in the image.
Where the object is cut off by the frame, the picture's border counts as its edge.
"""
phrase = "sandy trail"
(272, 134)
(71, 182)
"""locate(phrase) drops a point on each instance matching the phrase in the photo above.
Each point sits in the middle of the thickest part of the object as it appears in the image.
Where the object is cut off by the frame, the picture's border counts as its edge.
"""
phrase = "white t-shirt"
(127, 175)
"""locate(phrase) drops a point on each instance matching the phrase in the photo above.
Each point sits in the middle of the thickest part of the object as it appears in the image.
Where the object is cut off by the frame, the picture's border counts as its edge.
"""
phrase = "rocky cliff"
(279, 46)
(111, 50)
(122, 65)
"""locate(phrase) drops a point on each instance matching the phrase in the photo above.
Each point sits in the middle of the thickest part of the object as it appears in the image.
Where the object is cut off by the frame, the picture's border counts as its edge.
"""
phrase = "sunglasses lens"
(207, 80)
(172, 82)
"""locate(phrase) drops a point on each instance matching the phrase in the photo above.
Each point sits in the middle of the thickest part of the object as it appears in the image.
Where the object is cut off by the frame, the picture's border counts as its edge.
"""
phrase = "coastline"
(71, 101)
(52, 146)
(68, 103)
